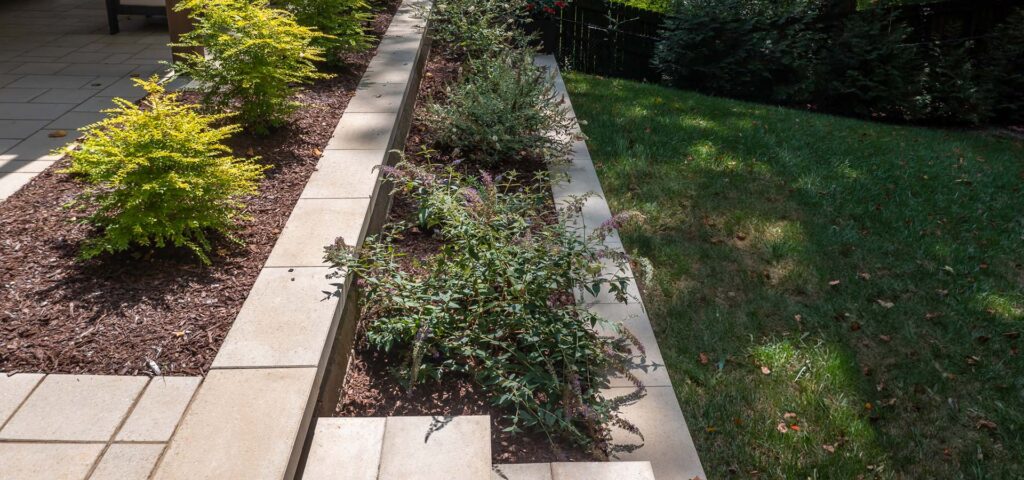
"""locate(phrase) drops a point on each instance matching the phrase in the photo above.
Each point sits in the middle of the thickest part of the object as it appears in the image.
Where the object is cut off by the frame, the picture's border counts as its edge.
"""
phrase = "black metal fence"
(602, 38)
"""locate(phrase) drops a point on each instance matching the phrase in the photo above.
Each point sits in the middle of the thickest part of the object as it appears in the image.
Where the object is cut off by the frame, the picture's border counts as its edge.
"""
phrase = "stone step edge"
(686, 464)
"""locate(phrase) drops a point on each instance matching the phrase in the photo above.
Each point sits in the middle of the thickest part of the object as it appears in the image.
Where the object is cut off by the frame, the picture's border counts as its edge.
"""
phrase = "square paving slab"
(159, 409)
(83, 408)
(47, 461)
(345, 449)
(437, 448)
(128, 461)
(14, 389)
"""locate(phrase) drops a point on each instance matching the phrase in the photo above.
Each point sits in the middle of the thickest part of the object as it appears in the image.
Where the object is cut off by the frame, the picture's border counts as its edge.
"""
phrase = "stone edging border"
(251, 417)
(668, 445)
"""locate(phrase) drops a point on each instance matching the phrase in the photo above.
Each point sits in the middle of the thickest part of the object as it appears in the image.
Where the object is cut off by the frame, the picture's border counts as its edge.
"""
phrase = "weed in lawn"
(834, 298)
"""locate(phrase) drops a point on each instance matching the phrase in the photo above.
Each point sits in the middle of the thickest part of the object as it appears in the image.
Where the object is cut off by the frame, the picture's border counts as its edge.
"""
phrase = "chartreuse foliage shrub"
(344, 21)
(160, 175)
(503, 108)
(495, 303)
(255, 55)
(478, 28)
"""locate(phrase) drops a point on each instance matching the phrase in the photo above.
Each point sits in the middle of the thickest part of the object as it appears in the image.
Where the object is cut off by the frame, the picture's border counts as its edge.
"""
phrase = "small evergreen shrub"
(478, 28)
(344, 22)
(254, 56)
(868, 71)
(740, 49)
(495, 303)
(503, 108)
(1005, 68)
(160, 176)
(953, 88)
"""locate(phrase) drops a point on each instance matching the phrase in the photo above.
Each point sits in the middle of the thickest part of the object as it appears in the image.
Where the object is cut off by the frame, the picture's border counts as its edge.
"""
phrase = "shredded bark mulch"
(124, 314)
(371, 386)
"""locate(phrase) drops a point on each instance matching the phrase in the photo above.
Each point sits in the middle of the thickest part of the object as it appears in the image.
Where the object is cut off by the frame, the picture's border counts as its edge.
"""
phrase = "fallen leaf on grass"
(885, 303)
(833, 283)
(703, 358)
(1012, 335)
(986, 424)
(741, 237)
(829, 448)
(789, 415)
(864, 275)
(711, 429)
(972, 360)
(781, 427)
(855, 326)
(885, 338)
(765, 370)
(794, 427)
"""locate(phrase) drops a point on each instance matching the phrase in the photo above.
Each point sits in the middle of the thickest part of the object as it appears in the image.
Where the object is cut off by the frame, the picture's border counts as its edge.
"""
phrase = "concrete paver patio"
(58, 69)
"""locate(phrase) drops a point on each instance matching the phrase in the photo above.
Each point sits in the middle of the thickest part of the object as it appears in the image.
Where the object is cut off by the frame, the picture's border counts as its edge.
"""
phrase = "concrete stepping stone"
(47, 461)
(522, 471)
(127, 461)
(667, 442)
(345, 449)
(77, 408)
(602, 471)
(437, 448)
(13, 390)
(159, 409)
(244, 424)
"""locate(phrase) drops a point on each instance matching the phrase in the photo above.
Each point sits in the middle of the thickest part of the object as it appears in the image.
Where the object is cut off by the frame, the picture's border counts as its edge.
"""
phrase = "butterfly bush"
(496, 303)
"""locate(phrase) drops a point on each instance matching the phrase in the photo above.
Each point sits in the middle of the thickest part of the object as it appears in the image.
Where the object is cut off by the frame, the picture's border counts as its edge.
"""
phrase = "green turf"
(859, 281)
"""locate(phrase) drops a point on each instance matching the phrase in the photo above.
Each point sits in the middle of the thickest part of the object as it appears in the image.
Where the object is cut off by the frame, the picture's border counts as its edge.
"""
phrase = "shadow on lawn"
(834, 297)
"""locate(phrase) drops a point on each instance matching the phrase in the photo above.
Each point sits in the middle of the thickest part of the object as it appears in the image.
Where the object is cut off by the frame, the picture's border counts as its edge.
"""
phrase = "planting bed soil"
(371, 387)
(120, 314)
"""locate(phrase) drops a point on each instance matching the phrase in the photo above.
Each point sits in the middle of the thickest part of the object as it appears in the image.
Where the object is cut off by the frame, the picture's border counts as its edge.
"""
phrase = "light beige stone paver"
(19, 166)
(345, 174)
(244, 424)
(12, 182)
(668, 445)
(363, 131)
(522, 471)
(159, 409)
(127, 461)
(314, 224)
(649, 367)
(602, 471)
(47, 461)
(378, 98)
(84, 408)
(14, 389)
(437, 448)
(345, 449)
(285, 320)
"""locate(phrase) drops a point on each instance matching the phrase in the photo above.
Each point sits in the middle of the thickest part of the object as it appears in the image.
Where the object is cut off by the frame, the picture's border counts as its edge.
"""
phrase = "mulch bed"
(371, 388)
(119, 313)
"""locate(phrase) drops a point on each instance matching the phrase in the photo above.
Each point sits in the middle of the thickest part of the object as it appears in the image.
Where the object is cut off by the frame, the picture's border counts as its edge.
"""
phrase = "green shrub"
(1005, 68)
(478, 28)
(868, 71)
(160, 175)
(343, 20)
(736, 48)
(494, 303)
(503, 108)
(255, 54)
(953, 88)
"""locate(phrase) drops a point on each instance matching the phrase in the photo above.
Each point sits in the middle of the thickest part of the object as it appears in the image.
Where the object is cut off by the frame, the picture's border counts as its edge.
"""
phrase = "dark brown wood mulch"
(115, 314)
(371, 388)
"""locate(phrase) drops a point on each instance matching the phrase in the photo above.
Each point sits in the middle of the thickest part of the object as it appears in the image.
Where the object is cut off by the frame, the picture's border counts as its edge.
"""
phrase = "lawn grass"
(834, 298)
